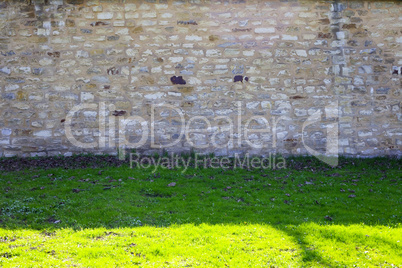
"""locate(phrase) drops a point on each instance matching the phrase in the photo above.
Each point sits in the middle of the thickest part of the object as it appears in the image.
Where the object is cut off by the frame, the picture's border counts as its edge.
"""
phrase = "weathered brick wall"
(279, 60)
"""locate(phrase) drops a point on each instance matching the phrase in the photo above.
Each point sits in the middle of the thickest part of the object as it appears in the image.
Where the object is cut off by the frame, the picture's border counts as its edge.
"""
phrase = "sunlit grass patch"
(232, 245)
(177, 245)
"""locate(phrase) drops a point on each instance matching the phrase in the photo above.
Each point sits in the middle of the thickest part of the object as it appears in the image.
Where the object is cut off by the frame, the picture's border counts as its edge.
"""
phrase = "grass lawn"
(307, 215)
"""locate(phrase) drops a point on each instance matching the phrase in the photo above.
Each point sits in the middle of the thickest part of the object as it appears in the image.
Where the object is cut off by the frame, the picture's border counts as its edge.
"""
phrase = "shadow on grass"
(308, 254)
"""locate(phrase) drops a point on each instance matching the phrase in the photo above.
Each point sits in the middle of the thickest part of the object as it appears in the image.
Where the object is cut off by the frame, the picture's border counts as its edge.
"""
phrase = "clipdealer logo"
(113, 130)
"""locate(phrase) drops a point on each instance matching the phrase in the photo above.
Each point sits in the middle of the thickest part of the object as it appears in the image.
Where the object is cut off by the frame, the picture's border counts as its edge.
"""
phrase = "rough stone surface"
(279, 60)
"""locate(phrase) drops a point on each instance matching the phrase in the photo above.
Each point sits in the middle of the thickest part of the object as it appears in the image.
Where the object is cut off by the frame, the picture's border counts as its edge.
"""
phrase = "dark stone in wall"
(55, 54)
(119, 113)
(239, 78)
(177, 80)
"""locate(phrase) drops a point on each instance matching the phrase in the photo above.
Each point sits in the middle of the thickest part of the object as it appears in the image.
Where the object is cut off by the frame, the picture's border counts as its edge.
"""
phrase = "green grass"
(303, 216)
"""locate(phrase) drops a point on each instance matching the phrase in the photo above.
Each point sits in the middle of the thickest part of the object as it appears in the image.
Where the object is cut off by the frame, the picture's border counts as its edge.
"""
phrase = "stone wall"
(313, 74)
